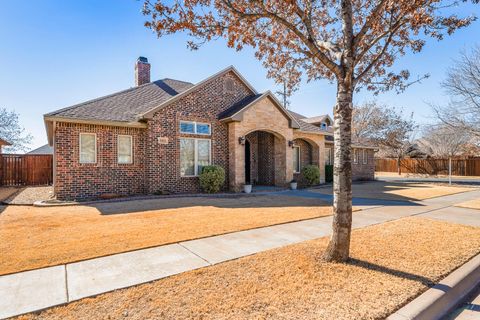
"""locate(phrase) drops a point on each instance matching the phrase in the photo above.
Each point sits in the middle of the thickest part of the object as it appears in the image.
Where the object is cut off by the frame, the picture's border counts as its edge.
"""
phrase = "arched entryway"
(265, 158)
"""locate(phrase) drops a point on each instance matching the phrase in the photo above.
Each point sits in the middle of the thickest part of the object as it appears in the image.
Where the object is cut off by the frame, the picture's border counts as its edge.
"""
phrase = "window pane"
(87, 148)
(203, 154)
(296, 159)
(187, 157)
(187, 127)
(203, 128)
(124, 149)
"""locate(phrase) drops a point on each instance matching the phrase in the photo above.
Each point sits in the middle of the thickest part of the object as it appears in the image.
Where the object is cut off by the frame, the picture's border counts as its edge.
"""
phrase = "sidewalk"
(42, 288)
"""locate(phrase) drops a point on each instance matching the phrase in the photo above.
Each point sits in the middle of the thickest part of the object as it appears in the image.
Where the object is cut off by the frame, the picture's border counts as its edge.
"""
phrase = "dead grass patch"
(392, 263)
(32, 237)
(399, 191)
(472, 204)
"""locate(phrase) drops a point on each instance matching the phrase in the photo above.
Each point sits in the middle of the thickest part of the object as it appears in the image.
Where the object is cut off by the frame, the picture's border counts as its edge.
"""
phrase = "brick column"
(321, 158)
(236, 158)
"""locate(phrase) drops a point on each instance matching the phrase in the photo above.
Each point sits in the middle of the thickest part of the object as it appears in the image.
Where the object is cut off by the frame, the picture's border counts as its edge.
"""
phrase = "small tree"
(386, 127)
(12, 131)
(444, 142)
(353, 43)
(463, 86)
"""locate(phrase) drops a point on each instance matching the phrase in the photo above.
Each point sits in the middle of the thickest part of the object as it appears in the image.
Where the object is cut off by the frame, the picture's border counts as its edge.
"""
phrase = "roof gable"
(149, 114)
(235, 113)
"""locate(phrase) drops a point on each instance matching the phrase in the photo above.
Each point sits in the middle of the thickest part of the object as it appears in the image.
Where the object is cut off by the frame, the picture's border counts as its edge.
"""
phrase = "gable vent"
(228, 85)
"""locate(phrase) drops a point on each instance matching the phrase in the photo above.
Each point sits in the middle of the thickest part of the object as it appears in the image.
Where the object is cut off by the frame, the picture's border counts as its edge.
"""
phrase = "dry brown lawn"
(392, 263)
(472, 204)
(399, 190)
(32, 237)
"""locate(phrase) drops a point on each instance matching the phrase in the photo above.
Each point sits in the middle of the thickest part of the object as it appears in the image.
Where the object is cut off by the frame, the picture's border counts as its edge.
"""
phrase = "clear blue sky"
(57, 53)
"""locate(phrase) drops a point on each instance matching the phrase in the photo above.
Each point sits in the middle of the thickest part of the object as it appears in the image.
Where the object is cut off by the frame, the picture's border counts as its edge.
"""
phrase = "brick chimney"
(142, 71)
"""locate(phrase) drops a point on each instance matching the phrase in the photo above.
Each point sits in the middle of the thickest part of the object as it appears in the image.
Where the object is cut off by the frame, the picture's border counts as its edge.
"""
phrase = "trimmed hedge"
(329, 173)
(311, 173)
(212, 178)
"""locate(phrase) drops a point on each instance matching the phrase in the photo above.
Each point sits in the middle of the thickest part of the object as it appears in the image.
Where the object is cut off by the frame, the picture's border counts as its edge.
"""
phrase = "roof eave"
(50, 119)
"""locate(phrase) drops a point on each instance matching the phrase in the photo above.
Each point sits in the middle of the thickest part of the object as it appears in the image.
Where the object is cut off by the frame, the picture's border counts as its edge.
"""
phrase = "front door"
(247, 162)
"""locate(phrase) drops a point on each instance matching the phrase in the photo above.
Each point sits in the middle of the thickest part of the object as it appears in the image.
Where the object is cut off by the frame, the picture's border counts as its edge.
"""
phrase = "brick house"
(157, 136)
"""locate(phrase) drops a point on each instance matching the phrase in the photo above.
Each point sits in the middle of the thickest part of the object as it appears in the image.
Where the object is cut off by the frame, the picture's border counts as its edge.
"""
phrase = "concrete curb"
(442, 298)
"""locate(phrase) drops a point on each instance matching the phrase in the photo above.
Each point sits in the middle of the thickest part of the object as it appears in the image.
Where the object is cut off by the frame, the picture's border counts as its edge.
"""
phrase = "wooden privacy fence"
(460, 167)
(25, 170)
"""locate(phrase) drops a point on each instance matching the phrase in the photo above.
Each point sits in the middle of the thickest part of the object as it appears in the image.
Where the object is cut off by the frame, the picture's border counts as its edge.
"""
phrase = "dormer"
(323, 121)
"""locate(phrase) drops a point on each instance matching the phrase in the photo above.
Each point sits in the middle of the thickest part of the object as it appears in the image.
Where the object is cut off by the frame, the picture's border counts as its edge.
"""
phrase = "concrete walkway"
(42, 288)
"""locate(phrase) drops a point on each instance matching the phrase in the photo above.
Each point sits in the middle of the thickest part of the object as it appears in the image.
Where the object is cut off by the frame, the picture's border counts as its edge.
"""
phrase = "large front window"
(194, 155)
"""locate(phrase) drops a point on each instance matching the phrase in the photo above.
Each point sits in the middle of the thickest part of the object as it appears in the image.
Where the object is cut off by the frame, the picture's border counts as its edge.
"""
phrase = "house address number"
(162, 140)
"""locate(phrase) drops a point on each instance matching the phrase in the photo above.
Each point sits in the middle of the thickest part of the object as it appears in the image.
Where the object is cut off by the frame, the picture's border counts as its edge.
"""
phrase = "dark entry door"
(247, 162)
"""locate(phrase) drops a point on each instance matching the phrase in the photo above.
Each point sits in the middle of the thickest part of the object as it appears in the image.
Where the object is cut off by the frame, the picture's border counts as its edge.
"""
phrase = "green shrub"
(328, 173)
(311, 173)
(212, 178)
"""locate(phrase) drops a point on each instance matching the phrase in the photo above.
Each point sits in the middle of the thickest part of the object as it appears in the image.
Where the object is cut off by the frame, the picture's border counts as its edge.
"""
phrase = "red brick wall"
(364, 171)
(75, 180)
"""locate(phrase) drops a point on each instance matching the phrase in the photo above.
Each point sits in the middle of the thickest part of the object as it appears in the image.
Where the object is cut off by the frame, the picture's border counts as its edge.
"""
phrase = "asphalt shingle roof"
(125, 105)
(238, 106)
(304, 126)
(45, 149)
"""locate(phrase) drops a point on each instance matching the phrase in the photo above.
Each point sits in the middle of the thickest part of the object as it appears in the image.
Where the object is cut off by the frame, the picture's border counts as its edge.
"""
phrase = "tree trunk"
(339, 246)
(399, 166)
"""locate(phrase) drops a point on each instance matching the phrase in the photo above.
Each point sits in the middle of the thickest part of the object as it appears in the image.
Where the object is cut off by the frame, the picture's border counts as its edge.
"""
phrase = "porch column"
(321, 159)
(236, 158)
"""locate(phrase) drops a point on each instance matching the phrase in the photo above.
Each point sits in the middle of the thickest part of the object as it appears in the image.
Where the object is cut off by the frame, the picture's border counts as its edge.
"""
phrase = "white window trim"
(195, 128)
(299, 162)
(80, 147)
(365, 156)
(355, 156)
(131, 148)
(195, 152)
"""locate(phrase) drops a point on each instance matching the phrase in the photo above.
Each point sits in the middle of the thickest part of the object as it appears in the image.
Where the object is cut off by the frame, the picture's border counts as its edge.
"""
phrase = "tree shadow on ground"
(397, 273)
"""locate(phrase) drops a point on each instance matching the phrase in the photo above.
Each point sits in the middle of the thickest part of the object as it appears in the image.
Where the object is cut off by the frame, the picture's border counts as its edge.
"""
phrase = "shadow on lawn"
(285, 199)
(397, 273)
(382, 191)
(256, 202)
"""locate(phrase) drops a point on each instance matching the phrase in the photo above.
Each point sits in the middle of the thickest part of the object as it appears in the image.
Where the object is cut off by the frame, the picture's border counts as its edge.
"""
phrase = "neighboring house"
(158, 135)
(43, 150)
(4, 143)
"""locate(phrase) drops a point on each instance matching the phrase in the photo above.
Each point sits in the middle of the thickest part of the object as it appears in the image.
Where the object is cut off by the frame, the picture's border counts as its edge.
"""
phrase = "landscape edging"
(442, 298)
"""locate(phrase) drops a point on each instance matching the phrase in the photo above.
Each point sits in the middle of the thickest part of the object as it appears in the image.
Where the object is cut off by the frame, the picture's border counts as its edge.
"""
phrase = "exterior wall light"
(291, 144)
(241, 140)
